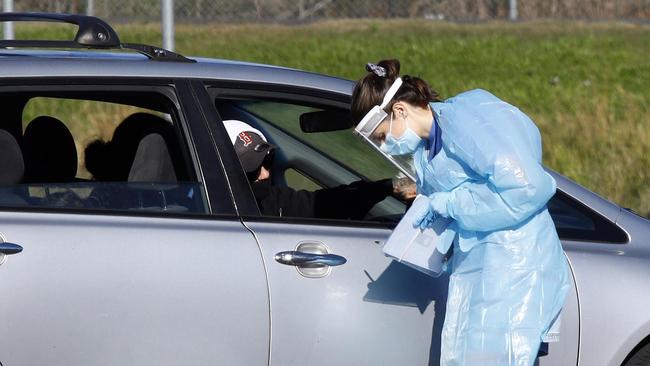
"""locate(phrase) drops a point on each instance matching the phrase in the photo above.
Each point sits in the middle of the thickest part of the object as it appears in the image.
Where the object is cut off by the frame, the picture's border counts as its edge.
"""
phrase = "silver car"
(154, 251)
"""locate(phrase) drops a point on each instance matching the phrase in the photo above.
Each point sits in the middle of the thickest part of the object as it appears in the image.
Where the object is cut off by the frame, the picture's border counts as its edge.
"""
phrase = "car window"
(315, 160)
(298, 180)
(575, 221)
(96, 150)
(340, 145)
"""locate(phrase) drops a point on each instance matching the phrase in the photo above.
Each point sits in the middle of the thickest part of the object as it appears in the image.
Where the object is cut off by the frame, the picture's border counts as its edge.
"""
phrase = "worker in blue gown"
(478, 159)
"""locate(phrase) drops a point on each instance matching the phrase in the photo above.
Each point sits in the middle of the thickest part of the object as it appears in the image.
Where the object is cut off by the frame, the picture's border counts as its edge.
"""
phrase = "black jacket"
(352, 201)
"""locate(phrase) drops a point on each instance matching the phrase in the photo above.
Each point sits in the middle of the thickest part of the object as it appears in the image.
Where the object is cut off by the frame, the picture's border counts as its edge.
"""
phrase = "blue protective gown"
(508, 274)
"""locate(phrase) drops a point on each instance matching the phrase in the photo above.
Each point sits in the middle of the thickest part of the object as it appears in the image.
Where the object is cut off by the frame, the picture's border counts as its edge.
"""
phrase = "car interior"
(114, 151)
(316, 148)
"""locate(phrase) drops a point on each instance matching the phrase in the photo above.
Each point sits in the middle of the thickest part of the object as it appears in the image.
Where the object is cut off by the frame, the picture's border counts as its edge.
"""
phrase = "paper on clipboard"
(418, 248)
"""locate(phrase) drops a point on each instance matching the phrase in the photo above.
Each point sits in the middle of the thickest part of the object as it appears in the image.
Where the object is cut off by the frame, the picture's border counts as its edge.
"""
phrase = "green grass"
(585, 85)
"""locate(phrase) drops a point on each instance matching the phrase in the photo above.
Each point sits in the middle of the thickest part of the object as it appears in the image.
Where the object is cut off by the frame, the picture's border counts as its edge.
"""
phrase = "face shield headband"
(373, 118)
(369, 124)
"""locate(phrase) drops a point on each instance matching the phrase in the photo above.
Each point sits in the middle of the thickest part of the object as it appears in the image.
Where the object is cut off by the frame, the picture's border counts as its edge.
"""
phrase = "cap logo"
(245, 138)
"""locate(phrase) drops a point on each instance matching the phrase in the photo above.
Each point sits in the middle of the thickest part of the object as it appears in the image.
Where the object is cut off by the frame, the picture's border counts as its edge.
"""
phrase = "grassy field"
(584, 84)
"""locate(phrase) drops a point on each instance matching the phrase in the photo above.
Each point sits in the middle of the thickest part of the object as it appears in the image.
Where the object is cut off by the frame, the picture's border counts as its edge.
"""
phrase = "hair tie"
(376, 69)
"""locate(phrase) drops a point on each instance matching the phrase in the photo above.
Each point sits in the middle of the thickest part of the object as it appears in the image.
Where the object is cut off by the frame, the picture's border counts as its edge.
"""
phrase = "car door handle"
(294, 258)
(10, 248)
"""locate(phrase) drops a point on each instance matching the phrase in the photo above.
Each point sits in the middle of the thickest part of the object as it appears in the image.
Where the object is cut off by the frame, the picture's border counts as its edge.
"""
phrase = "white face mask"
(405, 144)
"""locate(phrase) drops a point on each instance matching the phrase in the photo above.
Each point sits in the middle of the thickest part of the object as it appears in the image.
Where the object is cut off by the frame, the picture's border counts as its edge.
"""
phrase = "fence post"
(90, 7)
(513, 10)
(168, 24)
(8, 28)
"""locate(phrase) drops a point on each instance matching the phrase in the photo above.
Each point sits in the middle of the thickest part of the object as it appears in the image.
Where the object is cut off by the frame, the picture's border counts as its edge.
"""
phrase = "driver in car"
(351, 201)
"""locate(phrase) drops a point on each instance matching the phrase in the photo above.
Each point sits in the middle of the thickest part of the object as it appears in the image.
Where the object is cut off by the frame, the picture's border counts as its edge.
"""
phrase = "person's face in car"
(264, 171)
(264, 174)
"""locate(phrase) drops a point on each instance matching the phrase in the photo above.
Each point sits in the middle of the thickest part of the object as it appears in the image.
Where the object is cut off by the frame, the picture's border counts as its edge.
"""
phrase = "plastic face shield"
(371, 121)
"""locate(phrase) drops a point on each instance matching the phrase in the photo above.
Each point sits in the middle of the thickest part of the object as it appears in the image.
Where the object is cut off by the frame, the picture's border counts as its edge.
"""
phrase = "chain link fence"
(296, 11)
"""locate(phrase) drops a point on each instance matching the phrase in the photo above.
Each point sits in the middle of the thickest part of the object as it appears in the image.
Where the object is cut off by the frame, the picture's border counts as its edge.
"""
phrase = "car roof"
(48, 63)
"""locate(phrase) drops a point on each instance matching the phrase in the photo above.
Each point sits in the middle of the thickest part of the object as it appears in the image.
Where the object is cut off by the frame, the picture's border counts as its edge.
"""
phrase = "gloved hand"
(437, 207)
(425, 218)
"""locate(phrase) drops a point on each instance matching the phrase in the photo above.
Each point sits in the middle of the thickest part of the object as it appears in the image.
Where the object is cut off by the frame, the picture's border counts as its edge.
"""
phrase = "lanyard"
(434, 142)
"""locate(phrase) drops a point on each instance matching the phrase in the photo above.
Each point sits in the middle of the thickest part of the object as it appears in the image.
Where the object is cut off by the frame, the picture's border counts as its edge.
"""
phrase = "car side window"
(316, 160)
(96, 150)
(575, 221)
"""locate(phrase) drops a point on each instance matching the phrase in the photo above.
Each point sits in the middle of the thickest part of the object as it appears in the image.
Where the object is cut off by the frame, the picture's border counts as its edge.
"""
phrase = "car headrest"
(152, 162)
(49, 151)
(128, 136)
(12, 166)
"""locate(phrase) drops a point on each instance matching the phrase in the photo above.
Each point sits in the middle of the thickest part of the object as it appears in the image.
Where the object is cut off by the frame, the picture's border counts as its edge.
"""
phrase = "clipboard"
(418, 248)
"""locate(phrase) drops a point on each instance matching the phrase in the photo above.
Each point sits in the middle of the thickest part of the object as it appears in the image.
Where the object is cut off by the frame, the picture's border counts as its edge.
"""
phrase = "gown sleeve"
(505, 199)
(503, 146)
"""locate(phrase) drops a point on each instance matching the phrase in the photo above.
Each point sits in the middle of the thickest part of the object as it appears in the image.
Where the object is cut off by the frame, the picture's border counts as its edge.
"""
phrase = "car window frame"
(190, 131)
(283, 94)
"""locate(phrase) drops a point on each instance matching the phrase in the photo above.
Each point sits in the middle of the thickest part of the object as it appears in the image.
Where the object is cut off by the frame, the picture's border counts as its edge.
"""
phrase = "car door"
(366, 311)
(165, 274)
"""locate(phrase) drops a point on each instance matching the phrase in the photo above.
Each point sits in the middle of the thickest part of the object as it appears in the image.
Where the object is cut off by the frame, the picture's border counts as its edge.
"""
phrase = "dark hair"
(370, 90)
(98, 160)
